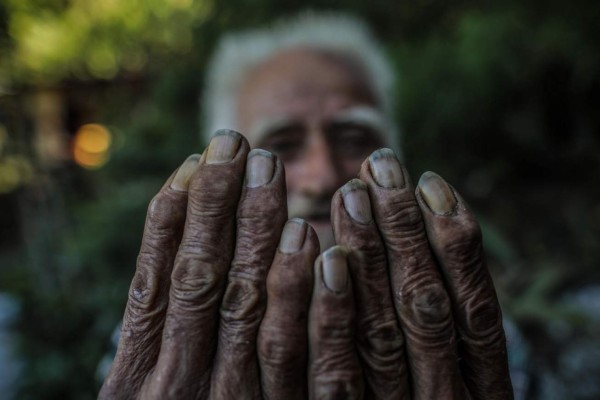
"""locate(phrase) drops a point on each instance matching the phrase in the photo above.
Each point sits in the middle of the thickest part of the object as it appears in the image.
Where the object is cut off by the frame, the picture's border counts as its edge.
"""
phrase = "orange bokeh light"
(91, 145)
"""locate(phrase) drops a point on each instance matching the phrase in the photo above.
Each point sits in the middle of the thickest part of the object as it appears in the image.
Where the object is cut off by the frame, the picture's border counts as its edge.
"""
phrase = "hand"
(428, 323)
(192, 326)
(193, 317)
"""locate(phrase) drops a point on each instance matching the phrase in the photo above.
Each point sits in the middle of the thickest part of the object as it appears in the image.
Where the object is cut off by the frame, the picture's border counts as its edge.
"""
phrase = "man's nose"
(321, 176)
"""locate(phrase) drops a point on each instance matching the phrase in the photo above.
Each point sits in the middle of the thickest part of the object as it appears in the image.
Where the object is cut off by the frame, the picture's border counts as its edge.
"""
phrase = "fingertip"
(355, 198)
(223, 146)
(332, 267)
(311, 241)
(436, 194)
(382, 170)
(260, 167)
(293, 236)
(181, 179)
(386, 169)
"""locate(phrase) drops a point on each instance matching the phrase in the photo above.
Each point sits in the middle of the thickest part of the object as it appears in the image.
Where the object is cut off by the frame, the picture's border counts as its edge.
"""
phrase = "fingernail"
(437, 194)
(356, 201)
(386, 169)
(335, 269)
(181, 181)
(223, 146)
(292, 237)
(259, 168)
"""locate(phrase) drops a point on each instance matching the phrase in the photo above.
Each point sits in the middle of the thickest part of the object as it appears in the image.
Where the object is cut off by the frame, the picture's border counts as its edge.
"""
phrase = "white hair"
(239, 53)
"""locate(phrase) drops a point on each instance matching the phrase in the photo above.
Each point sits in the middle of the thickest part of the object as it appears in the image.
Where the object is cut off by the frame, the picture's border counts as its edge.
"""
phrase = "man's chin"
(324, 231)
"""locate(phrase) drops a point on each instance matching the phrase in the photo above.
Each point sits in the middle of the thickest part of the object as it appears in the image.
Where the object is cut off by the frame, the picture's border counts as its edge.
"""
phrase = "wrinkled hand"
(198, 296)
(428, 323)
(388, 316)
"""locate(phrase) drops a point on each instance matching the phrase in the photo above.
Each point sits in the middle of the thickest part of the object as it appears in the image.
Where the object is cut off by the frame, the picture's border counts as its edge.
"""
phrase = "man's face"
(316, 113)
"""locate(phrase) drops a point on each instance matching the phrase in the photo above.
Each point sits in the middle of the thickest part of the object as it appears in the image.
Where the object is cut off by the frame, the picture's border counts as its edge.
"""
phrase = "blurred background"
(99, 102)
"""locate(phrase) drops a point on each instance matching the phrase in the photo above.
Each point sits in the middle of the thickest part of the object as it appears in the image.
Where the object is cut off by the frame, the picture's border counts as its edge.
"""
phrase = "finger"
(283, 335)
(380, 341)
(334, 369)
(455, 238)
(200, 271)
(143, 321)
(419, 295)
(262, 211)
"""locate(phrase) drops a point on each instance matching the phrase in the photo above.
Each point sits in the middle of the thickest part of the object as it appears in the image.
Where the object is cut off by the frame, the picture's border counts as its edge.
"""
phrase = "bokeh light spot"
(91, 145)
(15, 171)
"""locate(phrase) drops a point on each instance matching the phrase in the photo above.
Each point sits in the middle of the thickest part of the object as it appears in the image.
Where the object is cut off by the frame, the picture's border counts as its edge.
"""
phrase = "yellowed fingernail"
(437, 194)
(335, 269)
(386, 169)
(259, 168)
(223, 146)
(181, 180)
(292, 237)
(356, 201)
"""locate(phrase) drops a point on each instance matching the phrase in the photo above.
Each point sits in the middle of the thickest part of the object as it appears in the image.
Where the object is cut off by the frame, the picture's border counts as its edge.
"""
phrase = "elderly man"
(231, 301)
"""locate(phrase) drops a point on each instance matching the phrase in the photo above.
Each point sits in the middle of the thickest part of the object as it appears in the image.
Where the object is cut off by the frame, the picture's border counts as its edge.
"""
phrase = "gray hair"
(238, 53)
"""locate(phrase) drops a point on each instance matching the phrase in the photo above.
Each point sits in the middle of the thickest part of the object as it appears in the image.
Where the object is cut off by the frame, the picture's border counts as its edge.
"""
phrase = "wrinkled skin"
(221, 308)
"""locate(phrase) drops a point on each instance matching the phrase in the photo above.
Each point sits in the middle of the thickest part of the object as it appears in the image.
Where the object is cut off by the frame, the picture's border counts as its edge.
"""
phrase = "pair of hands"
(230, 301)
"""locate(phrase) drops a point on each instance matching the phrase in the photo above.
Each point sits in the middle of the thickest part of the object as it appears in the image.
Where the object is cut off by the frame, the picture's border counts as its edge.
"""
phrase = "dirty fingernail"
(335, 269)
(437, 194)
(356, 201)
(292, 237)
(181, 180)
(259, 168)
(223, 146)
(386, 169)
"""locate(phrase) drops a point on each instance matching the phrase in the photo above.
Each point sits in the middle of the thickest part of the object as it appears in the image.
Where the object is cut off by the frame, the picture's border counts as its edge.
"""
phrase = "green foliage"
(98, 39)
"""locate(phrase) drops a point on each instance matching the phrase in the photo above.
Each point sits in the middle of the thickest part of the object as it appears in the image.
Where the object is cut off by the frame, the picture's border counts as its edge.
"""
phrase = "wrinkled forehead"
(303, 85)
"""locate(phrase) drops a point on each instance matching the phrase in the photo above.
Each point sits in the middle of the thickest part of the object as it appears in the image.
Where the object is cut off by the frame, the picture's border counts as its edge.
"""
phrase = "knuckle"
(384, 338)
(333, 328)
(277, 351)
(339, 384)
(430, 306)
(147, 300)
(241, 304)
(144, 292)
(195, 284)
(483, 319)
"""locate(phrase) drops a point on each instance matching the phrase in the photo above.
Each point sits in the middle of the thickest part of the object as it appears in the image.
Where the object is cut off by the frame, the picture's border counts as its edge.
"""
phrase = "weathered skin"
(283, 335)
(221, 308)
(379, 340)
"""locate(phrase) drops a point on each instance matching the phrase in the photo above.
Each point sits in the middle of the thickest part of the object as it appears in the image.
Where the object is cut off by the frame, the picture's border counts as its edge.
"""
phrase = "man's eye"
(281, 147)
(286, 142)
(353, 140)
(285, 147)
